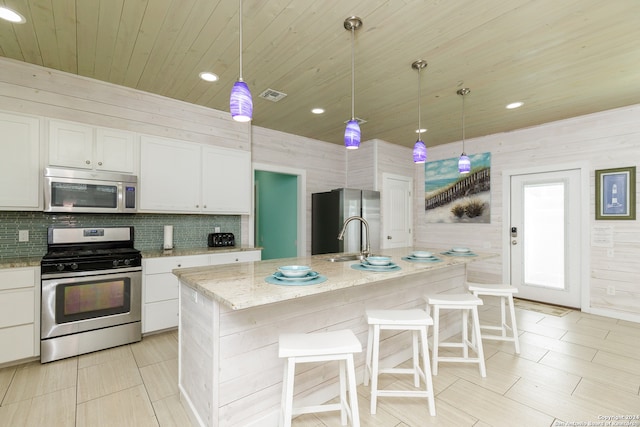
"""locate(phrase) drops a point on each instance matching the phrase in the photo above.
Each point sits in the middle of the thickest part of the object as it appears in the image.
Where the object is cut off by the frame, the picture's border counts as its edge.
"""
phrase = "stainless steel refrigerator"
(329, 210)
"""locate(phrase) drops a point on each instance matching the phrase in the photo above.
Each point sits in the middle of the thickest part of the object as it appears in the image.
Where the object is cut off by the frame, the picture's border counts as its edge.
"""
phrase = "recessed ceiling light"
(317, 110)
(514, 105)
(11, 16)
(421, 130)
(208, 76)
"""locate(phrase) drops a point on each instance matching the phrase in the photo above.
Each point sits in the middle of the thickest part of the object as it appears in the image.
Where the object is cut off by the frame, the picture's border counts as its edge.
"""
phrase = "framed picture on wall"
(616, 193)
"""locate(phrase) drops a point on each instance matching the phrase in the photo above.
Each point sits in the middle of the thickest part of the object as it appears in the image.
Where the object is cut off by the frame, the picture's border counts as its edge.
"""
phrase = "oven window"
(65, 194)
(87, 300)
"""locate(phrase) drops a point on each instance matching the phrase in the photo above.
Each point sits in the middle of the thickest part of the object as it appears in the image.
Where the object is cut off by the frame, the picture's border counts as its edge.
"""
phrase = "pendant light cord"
(419, 104)
(240, 13)
(463, 96)
(353, 73)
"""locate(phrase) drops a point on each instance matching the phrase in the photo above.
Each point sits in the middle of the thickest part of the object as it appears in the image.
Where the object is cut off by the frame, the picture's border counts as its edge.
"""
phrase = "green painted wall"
(189, 231)
(276, 214)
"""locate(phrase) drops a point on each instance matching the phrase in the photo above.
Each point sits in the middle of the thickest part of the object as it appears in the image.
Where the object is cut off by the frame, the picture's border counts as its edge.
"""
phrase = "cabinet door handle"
(99, 163)
(88, 162)
(197, 206)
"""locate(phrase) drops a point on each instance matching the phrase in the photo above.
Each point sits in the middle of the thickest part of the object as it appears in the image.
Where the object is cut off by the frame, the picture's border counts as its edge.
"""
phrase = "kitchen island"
(230, 320)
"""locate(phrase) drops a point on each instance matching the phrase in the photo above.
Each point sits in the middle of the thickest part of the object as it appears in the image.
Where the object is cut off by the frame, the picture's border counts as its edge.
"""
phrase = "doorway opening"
(279, 211)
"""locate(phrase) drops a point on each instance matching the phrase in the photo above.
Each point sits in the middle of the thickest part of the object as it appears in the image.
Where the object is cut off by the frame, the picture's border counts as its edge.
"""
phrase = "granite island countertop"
(242, 285)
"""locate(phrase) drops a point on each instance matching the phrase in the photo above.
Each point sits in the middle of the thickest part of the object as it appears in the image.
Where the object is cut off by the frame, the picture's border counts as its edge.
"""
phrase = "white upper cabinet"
(226, 183)
(178, 176)
(20, 163)
(83, 146)
(169, 175)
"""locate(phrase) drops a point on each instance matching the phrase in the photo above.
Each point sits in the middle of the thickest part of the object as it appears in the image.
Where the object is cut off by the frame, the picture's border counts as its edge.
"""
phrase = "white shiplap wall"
(323, 163)
(603, 140)
(36, 90)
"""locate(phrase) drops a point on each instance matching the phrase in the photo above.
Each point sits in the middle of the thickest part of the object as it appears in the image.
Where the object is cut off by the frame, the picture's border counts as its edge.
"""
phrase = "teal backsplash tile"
(189, 231)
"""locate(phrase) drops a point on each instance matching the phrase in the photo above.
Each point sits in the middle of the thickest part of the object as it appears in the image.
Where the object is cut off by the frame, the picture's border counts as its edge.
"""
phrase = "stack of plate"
(421, 256)
(459, 252)
(376, 263)
(295, 275)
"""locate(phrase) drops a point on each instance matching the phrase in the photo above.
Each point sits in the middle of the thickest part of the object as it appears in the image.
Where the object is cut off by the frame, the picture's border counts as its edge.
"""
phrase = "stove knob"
(115, 262)
(60, 267)
(127, 262)
(73, 266)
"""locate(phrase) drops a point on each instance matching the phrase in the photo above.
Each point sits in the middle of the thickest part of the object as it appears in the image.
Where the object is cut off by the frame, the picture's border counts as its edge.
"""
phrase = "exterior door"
(397, 214)
(545, 238)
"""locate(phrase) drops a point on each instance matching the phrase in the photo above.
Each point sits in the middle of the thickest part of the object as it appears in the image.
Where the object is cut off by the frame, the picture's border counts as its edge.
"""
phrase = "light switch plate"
(216, 229)
(23, 235)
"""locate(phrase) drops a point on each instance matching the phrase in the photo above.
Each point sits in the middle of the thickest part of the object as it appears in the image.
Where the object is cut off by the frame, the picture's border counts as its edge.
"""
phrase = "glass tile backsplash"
(189, 231)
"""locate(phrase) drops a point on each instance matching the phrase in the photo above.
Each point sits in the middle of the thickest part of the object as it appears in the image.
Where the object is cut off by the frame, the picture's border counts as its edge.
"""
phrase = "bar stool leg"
(426, 369)
(416, 360)
(375, 368)
(479, 349)
(514, 328)
(287, 393)
(343, 392)
(353, 392)
(503, 317)
(465, 333)
(436, 333)
(367, 363)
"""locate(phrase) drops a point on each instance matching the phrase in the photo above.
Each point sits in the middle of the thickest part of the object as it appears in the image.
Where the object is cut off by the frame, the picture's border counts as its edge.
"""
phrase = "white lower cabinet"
(19, 313)
(160, 287)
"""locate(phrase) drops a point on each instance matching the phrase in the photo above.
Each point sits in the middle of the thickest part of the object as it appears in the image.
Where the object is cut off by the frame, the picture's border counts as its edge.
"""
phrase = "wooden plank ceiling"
(561, 58)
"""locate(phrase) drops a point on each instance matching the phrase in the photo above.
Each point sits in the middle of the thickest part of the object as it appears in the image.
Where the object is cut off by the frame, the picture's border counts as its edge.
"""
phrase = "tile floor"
(578, 369)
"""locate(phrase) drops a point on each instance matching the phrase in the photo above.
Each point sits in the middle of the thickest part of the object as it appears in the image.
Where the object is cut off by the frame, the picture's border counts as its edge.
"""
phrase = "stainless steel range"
(91, 291)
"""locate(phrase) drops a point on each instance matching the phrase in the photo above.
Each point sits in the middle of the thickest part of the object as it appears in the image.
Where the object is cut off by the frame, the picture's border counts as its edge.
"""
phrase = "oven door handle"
(89, 273)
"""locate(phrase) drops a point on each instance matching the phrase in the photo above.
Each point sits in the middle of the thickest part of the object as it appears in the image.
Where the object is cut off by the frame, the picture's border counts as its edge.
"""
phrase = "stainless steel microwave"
(70, 190)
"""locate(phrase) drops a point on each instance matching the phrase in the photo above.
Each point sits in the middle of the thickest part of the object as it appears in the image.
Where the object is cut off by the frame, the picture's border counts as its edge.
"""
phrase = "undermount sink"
(348, 257)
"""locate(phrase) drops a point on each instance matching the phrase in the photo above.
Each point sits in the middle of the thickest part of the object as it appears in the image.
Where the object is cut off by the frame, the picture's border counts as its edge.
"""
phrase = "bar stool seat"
(414, 320)
(321, 347)
(465, 302)
(505, 293)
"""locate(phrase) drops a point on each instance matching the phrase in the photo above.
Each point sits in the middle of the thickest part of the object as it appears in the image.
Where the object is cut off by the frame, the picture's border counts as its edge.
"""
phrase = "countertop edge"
(196, 251)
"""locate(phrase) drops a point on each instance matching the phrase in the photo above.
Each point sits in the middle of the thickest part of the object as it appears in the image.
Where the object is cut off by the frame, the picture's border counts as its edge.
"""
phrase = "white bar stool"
(414, 320)
(467, 303)
(505, 292)
(321, 347)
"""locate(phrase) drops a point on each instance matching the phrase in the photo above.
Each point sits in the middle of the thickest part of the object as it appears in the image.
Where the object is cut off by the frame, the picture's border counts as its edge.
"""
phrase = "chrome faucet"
(367, 248)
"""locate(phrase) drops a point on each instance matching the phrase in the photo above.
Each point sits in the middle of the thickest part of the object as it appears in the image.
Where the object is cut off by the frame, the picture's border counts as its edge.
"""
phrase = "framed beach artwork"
(616, 193)
(450, 197)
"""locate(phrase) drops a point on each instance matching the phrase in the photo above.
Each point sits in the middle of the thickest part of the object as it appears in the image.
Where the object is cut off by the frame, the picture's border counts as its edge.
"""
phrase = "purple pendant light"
(240, 101)
(464, 163)
(419, 149)
(352, 131)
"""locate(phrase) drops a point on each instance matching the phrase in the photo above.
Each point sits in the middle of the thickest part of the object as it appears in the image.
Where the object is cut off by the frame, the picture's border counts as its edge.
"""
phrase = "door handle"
(388, 237)
(514, 242)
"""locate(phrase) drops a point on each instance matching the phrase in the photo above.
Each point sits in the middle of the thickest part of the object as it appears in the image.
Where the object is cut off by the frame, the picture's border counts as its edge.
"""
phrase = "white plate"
(294, 270)
(462, 250)
(422, 254)
(424, 258)
(310, 276)
(378, 267)
(379, 260)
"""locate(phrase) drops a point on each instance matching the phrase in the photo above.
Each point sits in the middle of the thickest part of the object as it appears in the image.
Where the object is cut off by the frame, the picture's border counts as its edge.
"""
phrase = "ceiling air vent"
(272, 95)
